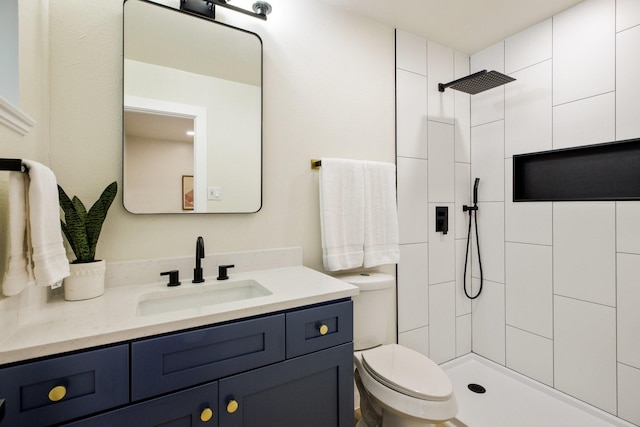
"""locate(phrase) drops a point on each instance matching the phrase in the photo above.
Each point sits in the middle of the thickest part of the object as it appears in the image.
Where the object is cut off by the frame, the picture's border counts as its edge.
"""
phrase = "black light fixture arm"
(207, 8)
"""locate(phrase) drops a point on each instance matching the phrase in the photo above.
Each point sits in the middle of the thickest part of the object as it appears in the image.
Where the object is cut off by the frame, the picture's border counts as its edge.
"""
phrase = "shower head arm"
(443, 86)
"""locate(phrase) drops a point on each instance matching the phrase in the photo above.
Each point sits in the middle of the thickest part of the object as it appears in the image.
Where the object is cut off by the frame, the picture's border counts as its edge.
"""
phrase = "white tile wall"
(424, 184)
(488, 325)
(585, 351)
(463, 335)
(627, 82)
(527, 115)
(530, 354)
(491, 235)
(529, 288)
(584, 51)
(417, 339)
(627, 14)
(441, 162)
(462, 106)
(442, 322)
(628, 314)
(488, 106)
(411, 52)
(462, 197)
(440, 69)
(529, 222)
(528, 47)
(413, 295)
(628, 386)
(584, 122)
(463, 304)
(411, 136)
(487, 160)
(584, 251)
(412, 199)
(628, 227)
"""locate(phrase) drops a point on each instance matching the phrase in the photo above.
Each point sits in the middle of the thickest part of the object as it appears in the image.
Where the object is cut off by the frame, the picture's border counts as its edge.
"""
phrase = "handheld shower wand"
(471, 210)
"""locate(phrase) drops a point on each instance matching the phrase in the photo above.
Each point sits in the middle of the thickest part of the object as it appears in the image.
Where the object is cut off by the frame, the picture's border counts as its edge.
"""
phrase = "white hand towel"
(17, 276)
(342, 213)
(50, 263)
(381, 235)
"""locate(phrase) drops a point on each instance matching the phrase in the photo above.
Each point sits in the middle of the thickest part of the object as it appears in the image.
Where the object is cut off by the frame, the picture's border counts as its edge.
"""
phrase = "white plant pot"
(86, 281)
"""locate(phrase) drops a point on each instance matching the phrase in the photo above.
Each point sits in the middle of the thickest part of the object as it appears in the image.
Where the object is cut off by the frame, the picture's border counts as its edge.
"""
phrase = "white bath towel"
(18, 273)
(50, 263)
(35, 234)
(381, 235)
(342, 213)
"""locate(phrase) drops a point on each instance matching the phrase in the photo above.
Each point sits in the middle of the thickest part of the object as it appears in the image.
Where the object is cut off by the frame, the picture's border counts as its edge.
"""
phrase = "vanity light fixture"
(208, 8)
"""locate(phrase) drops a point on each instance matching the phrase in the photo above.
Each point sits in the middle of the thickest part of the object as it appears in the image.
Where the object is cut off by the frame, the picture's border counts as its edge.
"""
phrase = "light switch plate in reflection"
(214, 193)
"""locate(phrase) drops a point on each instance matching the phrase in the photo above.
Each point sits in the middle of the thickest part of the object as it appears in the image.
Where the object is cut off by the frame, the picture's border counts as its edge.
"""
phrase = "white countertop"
(63, 326)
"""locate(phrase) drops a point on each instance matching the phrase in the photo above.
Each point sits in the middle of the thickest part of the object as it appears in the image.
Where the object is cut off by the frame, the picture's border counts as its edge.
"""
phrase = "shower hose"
(466, 256)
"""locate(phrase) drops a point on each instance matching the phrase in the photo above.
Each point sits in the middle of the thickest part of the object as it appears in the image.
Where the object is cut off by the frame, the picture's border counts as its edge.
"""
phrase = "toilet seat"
(408, 372)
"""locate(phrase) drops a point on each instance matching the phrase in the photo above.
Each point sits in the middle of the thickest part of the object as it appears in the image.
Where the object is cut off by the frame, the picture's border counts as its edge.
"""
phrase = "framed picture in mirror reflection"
(187, 192)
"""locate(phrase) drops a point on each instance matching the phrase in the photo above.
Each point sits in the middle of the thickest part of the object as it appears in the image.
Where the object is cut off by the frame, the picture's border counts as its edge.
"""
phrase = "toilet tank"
(371, 307)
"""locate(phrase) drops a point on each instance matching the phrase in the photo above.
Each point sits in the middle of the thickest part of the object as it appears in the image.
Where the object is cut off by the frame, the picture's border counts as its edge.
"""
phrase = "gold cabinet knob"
(206, 415)
(232, 406)
(323, 329)
(57, 393)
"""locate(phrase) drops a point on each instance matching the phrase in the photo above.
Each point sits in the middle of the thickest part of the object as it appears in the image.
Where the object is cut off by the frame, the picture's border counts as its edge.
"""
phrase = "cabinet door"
(194, 407)
(50, 391)
(315, 390)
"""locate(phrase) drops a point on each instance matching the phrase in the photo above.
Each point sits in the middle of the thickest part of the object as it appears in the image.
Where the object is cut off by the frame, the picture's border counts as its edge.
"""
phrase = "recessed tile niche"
(608, 171)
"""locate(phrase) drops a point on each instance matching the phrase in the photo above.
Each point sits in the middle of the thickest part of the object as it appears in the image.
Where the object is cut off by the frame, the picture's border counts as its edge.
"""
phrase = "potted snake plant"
(82, 229)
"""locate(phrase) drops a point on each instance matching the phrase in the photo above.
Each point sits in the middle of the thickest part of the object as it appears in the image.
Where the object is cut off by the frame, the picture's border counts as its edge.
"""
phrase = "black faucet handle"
(222, 271)
(173, 277)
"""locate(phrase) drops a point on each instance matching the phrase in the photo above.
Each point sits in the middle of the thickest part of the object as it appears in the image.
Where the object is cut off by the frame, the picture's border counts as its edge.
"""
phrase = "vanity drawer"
(173, 362)
(317, 328)
(51, 391)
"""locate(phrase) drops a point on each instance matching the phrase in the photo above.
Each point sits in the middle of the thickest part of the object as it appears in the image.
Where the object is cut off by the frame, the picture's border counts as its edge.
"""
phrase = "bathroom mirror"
(185, 73)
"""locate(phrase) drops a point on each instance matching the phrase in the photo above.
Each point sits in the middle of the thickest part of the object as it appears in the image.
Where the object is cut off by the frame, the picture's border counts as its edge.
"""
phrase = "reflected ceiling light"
(208, 8)
(190, 133)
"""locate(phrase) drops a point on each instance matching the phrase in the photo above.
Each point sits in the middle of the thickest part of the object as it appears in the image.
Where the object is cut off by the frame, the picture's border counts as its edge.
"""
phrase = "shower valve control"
(442, 219)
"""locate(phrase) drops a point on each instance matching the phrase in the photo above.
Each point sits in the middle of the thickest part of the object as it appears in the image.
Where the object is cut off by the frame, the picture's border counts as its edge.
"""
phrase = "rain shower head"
(477, 82)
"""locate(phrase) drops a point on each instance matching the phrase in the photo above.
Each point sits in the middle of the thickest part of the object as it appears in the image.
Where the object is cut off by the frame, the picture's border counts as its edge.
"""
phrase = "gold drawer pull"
(206, 415)
(232, 406)
(323, 329)
(57, 393)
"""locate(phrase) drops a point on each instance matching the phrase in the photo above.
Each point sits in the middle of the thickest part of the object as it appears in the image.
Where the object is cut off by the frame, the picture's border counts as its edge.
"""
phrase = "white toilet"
(398, 387)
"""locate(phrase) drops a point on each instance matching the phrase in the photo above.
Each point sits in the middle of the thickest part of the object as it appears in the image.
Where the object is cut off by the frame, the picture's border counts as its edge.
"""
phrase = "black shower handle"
(475, 191)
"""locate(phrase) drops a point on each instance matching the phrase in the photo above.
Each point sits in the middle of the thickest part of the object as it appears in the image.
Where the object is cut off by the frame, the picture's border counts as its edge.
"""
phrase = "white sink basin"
(199, 296)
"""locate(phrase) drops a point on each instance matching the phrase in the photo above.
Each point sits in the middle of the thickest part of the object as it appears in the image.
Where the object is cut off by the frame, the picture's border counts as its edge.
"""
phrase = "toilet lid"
(408, 372)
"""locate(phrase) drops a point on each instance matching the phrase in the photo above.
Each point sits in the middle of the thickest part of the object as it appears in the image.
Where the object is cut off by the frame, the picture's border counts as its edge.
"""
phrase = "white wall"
(561, 279)
(328, 91)
(433, 160)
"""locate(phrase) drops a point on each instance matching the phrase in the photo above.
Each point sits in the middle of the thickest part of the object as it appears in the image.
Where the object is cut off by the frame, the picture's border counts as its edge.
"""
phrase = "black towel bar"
(12, 165)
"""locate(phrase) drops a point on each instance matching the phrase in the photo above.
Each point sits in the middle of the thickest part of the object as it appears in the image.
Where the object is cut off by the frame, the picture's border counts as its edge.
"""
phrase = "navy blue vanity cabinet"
(315, 390)
(51, 391)
(287, 369)
(197, 406)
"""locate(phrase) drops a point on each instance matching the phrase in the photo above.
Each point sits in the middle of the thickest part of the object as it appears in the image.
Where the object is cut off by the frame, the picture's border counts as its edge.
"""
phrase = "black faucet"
(197, 272)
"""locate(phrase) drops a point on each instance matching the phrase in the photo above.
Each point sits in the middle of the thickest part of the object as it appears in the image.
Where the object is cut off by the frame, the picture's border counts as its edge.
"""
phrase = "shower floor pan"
(513, 400)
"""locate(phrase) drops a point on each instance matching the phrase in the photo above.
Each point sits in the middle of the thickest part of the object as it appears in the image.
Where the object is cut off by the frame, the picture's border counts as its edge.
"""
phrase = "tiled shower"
(561, 294)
